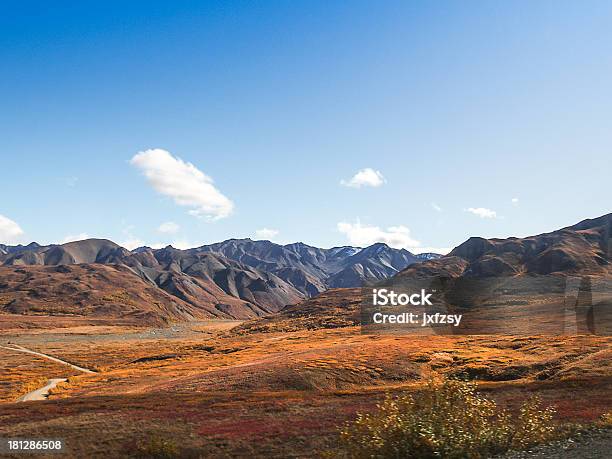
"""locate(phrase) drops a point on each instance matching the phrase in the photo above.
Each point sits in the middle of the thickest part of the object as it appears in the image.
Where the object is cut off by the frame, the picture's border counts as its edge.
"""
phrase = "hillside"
(514, 285)
(87, 251)
(76, 277)
(193, 277)
(242, 279)
(312, 270)
(91, 290)
(236, 279)
(335, 308)
(583, 249)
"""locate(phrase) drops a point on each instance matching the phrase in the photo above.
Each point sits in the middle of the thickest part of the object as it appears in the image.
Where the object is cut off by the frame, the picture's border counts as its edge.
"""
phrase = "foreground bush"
(155, 447)
(446, 420)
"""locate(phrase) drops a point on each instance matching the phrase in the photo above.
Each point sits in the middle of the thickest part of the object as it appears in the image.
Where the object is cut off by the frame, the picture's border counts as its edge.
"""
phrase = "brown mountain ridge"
(242, 279)
(236, 279)
(569, 267)
(583, 248)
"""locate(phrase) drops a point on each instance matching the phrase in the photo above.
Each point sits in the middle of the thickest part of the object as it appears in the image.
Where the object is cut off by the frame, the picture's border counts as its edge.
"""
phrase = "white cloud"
(482, 212)
(365, 177)
(132, 244)
(395, 236)
(515, 201)
(74, 237)
(363, 235)
(168, 228)
(9, 230)
(266, 233)
(71, 181)
(440, 250)
(185, 183)
(131, 241)
(436, 207)
(181, 244)
(184, 244)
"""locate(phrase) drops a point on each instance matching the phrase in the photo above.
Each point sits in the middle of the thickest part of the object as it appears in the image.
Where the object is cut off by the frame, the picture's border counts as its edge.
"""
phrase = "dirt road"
(17, 348)
(43, 392)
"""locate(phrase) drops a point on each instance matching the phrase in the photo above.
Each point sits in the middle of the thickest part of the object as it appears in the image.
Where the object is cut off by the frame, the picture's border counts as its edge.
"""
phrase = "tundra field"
(266, 388)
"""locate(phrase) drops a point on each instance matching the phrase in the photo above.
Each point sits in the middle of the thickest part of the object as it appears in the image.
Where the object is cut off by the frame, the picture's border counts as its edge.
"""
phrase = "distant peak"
(377, 246)
(91, 240)
(141, 249)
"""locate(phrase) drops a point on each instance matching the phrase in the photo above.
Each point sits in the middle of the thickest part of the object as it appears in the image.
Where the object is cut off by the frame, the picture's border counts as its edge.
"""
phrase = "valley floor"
(211, 390)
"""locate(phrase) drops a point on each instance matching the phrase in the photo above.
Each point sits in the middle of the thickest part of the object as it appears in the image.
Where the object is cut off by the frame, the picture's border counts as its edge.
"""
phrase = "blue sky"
(452, 109)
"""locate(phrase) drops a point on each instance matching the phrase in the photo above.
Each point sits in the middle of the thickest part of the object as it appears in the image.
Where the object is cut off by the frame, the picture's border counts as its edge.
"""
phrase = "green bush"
(448, 419)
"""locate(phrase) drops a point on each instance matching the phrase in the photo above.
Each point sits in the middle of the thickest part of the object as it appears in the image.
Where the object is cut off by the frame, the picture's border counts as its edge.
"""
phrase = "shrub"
(156, 448)
(533, 425)
(448, 419)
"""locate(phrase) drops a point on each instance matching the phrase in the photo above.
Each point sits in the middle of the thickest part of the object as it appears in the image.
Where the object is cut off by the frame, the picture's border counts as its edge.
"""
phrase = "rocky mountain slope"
(334, 308)
(212, 286)
(93, 290)
(557, 282)
(312, 270)
(192, 276)
(513, 278)
(583, 248)
(87, 251)
(237, 279)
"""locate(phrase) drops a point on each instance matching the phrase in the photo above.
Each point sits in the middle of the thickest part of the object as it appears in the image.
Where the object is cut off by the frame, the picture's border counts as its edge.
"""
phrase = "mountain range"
(584, 248)
(241, 278)
(510, 277)
(238, 278)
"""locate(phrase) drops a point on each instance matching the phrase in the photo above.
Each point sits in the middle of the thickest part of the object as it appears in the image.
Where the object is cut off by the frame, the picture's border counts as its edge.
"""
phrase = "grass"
(121, 297)
(23, 373)
(155, 447)
(276, 393)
